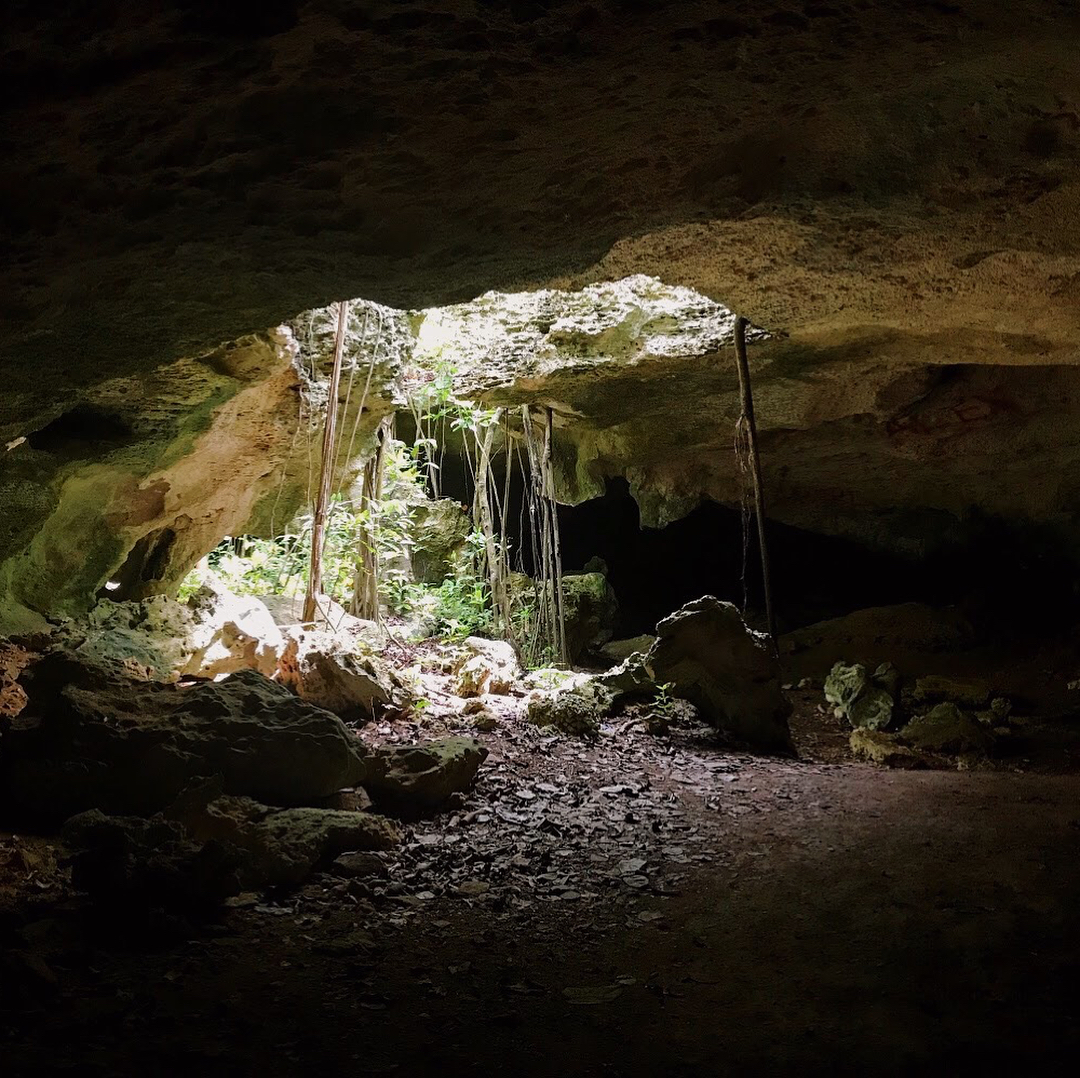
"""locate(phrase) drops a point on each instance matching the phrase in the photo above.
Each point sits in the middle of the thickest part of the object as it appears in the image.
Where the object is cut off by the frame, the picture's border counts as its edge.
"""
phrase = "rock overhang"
(893, 188)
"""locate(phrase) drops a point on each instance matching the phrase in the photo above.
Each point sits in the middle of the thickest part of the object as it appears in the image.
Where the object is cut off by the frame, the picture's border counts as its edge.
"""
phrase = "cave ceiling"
(178, 174)
(889, 189)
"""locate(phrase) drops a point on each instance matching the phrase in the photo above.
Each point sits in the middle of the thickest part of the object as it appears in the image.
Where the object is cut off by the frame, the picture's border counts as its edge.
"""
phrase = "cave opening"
(527, 683)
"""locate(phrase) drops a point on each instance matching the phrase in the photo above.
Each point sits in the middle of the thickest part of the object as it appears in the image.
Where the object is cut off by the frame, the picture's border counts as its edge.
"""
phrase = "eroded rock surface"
(91, 739)
(485, 667)
(341, 673)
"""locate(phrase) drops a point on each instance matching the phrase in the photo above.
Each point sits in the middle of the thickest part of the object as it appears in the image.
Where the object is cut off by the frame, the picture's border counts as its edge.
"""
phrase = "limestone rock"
(630, 678)
(618, 651)
(865, 700)
(149, 638)
(89, 739)
(161, 639)
(484, 721)
(342, 674)
(947, 729)
(439, 530)
(577, 709)
(485, 666)
(883, 749)
(591, 612)
(230, 633)
(281, 847)
(411, 780)
(196, 853)
(967, 692)
(726, 670)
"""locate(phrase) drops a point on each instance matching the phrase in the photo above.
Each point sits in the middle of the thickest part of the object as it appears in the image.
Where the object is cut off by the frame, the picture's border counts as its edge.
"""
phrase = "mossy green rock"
(591, 612)
(577, 710)
(947, 729)
(439, 531)
(865, 700)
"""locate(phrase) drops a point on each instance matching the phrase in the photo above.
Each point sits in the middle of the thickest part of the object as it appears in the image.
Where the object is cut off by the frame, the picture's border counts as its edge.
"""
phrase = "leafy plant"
(664, 705)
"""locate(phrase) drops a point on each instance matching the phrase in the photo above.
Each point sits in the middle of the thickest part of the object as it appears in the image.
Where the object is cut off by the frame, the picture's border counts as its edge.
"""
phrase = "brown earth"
(637, 906)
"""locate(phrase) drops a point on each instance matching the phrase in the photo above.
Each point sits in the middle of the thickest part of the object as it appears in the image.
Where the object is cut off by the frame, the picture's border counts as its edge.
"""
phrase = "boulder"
(967, 692)
(591, 612)
(160, 639)
(230, 633)
(281, 847)
(90, 739)
(885, 750)
(709, 657)
(864, 699)
(629, 679)
(577, 709)
(485, 667)
(412, 780)
(340, 673)
(149, 639)
(439, 532)
(198, 852)
(618, 651)
(947, 729)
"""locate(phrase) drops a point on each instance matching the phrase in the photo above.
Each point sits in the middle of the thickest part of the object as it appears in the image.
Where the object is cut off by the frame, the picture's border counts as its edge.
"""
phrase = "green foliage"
(248, 565)
(664, 705)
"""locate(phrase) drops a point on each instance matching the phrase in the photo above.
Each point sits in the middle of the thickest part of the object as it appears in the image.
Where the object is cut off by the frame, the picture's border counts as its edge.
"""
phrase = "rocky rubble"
(910, 726)
(866, 700)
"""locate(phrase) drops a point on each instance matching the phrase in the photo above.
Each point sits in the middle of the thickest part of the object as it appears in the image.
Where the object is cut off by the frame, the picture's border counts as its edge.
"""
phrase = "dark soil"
(635, 906)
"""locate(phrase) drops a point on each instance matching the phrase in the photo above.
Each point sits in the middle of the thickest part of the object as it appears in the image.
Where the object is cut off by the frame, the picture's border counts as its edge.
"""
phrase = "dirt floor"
(638, 905)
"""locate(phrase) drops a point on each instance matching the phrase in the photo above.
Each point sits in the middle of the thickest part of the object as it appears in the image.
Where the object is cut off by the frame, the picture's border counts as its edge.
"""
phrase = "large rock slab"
(709, 656)
(91, 739)
(411, 780)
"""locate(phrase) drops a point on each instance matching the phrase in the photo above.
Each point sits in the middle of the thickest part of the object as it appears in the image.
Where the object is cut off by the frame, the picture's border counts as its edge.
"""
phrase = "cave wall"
(125, 492)
(889, 188)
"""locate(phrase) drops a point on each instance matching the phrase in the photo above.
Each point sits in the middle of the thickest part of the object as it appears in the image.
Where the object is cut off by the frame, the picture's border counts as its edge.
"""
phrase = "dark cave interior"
(258, 819)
